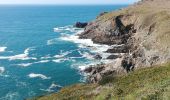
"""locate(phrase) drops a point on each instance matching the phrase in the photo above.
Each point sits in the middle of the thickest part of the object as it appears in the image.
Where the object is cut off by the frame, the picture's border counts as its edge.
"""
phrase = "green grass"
(145, 84)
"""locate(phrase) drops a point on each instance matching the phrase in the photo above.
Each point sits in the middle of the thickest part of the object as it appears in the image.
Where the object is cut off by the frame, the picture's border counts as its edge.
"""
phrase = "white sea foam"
(46, 57)
(2, 70)
(29, 64)
(25, 64)
(10, 96)
(52, 41)
(62, 54)
(87, 43)
(2, 49)
(57, 60)
(60, 60)
(86, 55)
(52, 87)
(43, 61)
(92, 47)
(81, 68)
(33, 75)
(69, 28)
(23, 56)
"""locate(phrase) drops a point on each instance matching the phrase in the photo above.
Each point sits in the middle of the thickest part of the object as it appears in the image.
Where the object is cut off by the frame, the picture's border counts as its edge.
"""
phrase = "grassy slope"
(146, 84)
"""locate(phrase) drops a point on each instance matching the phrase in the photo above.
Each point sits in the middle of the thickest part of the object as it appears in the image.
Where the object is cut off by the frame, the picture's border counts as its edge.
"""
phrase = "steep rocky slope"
(141, 33)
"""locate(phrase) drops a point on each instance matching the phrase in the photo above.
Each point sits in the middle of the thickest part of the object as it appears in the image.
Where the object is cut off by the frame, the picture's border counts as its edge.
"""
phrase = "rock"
(119, 49)
(80, 25)
(127, 63)
(88, 69)
(97, 57)
(113, 57)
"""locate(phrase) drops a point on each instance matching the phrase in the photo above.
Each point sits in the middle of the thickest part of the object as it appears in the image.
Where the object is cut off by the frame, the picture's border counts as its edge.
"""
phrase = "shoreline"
(99, 51)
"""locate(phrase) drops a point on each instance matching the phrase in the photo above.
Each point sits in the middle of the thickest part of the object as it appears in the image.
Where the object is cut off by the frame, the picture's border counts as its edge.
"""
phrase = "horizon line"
(71, 4)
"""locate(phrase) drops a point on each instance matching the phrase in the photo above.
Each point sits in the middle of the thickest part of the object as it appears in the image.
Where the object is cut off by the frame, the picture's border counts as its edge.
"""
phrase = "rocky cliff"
(141, 33)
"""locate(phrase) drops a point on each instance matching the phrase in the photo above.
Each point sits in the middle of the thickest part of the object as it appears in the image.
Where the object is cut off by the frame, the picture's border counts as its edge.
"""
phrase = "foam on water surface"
(2, 49)
(34, 75)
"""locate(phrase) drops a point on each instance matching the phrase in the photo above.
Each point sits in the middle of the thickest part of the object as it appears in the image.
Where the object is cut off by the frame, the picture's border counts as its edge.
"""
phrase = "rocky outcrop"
(113, 57)
(138, 32)
(80, 25)
(97, 72)
(97, 56)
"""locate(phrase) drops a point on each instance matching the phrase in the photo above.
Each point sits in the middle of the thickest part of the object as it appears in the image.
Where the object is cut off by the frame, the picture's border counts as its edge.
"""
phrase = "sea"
(40, 52)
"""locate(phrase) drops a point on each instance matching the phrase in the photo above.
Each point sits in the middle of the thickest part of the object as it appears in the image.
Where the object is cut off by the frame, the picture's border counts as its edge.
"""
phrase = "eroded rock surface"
(141, 33)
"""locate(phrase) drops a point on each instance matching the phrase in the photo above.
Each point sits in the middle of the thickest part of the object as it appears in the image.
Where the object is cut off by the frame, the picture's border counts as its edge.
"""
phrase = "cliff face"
(141, 32)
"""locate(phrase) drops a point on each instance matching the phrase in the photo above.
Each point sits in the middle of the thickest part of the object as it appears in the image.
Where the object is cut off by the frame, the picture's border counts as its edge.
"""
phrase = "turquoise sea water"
(38, 52)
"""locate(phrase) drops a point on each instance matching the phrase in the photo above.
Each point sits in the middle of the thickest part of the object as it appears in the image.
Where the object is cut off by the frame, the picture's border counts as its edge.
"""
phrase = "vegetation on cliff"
(147, 84)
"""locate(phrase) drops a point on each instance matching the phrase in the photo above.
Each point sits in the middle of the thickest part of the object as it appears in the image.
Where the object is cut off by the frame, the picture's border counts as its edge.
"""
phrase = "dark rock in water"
(88, 69)
(97, 56)
(80, 25)
(113, 57)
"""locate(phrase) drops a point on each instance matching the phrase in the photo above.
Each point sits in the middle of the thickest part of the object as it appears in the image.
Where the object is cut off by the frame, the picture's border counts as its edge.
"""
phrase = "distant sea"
(39, 52)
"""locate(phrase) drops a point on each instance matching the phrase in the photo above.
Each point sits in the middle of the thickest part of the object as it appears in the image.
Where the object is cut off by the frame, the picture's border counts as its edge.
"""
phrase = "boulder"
(97, 57)
(80, 25)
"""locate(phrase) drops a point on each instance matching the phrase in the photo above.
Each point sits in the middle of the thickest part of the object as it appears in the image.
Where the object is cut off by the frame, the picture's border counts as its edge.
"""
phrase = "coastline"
(136, 40)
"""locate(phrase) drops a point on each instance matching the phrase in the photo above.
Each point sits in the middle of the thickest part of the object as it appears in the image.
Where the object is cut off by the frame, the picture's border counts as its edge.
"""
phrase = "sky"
(68, 2)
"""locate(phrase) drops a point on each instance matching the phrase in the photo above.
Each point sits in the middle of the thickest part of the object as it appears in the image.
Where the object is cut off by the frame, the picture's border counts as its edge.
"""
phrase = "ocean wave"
(52, 87)
(42, 61)
(87, 43)
(2, 70)
(46, 57)
(62, 54)
(63, 30)
(24, 64)
(29, 64)
(52, 41)
(33, 75)
(61, 57)
(60, 60)
(24, 56)
(86, 55)
(2, 49)
(69, 28)
(10, 96)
